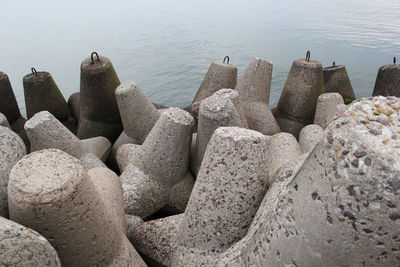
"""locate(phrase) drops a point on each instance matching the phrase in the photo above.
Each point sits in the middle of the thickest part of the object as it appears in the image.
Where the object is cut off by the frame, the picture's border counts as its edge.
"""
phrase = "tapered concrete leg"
(327, 108)
(260, 118)
(336, 80)
(388, 81)
(4, 121)
(309, 137)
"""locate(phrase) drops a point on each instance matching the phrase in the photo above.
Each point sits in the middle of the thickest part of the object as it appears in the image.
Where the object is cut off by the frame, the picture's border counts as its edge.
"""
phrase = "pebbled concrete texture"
(157, 239)
(309, 137)
(137, 112)
(51, 192)
(223, 203)
(336, 80)
(23, 247)
(234, 96)
(388, 81)
(327, 108)
(12, 149)
(341, 207)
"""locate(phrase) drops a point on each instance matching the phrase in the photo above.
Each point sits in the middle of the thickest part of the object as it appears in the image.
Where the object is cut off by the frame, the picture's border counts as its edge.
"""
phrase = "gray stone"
(309, 137)
(4, 121)
(298, 101)
(341, 208)
(260, 118)
(99, 114)
(8, 102)
(158, 239)
(23, 247)
(388, 81)
(228, 190)
(215, 111)
(336, 80)
(281, 149)
(219, 75)
(255, 84)
(12, 149)
(99, 146)
(137, 112)
(151, 170)
(51, 192)
(327, 108)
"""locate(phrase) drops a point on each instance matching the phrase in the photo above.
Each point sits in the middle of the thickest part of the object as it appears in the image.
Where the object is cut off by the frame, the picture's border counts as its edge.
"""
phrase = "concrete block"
(132, 222)
(298, 100)
(90, 161)
(260, 118)
(4, 121)
(255, 84)
(8, 102)
(336, 80)
(12, 149)
(158, 239)
(99, 146)
(215, 111)
(98, 104)
(21, 246)
(74, 104)
(233, 95)
(341, 207)
(137, 112)
(327, 108)
(388, 81)
(228, 190)
(281, 149)
(179, 195)
(309, 137)
(51, 192)
(18, 127)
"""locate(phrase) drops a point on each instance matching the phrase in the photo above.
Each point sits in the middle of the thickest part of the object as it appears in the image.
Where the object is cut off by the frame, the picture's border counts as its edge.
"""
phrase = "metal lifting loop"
(34, 72)
(227, 60)
(308, 55)
(394, 60)
(91, 57)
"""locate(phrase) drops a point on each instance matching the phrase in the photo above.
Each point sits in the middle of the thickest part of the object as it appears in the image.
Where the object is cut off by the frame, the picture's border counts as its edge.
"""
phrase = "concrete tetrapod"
(99, 114)
(137, 112)
(51, 192)
(219, 75)
(298, 101)
(215, 111)
(4, 121)
(260, 118)
(327, 108)
(22, 247)
(12, 149)
(159, 164)
(388, 81)
(255, 84)
(336, 80)
(341, 208)
(309, 137)
(234, 96)
(228, 190)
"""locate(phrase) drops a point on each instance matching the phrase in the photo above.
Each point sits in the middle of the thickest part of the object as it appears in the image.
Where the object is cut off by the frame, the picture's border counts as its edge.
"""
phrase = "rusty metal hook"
(91, 57)
(308, 55)
(394, 60)
(34, 72)
(227, 60)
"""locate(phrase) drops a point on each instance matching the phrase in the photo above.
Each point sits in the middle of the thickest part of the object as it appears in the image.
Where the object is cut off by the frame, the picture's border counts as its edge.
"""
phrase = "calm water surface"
(167, 46)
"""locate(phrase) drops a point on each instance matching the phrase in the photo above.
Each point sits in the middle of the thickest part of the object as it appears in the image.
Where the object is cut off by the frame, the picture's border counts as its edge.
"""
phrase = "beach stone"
(74, 104)
(42, 94)
(151, 170)
(228, 190)
(260, 118)
(109, 187)
(309, 137)
(99, 146)
(99, 114)
(327, 108)
(341, 207)
(219, 75)
(157, 239)
(12, 149)
(23, 247)
(298, 101)
(51, 192)
(336, 80)
(255, 84)
(137, 112)
(4, 121)
(388, 81)
(215, 111)
(281, 149)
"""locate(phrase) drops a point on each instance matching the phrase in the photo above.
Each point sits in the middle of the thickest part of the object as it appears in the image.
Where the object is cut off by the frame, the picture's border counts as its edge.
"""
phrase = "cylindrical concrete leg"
(20, 246)
(388, 81)
(8, 103)
(309, 137)
(260, 118)
(228, 190)
(234, 96)
(74, 104)
(137, 112)
(336, 80)
(327, 108)
(4, 121)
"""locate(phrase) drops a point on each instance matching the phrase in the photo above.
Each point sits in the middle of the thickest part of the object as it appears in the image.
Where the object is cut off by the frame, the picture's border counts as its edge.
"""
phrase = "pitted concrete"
(327, 108)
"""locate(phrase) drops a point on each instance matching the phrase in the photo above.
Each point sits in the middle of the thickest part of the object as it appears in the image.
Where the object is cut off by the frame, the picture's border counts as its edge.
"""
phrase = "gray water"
(167, 46)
